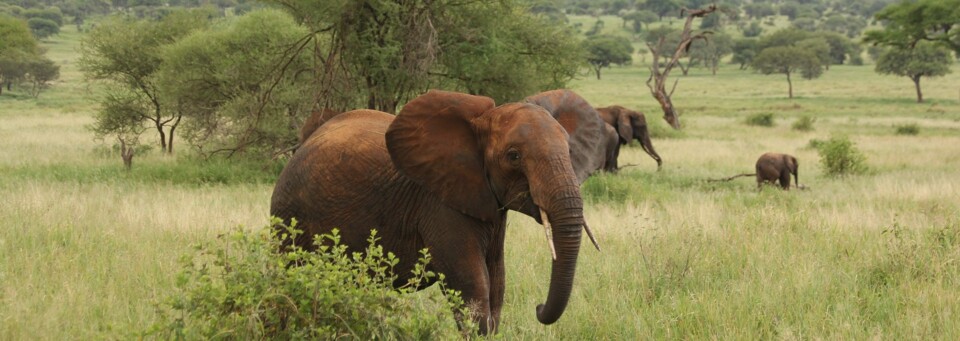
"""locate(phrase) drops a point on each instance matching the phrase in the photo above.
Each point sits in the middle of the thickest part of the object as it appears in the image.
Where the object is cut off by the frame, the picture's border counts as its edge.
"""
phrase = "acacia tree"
(125, 53)
(788, 60)
(17, 48)
(605, 50)
(237, 85)
(380, 53)
(119, 118)
(659, 73)
(923, 60)
(908, 22)
(709, 53)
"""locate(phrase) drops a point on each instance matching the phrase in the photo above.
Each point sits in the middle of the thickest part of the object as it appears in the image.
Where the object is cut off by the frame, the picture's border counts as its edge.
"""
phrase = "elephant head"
(482, 160)
(630, 125)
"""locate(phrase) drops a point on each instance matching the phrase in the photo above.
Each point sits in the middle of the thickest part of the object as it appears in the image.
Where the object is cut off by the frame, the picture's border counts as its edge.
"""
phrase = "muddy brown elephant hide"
(773, 167)
(630, 125)
(441, 175)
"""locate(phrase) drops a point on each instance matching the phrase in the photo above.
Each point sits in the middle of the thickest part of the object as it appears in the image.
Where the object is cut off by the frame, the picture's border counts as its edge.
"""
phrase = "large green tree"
(380, 53)
(925, 59)
(709, 52)
(602, 51)
(908, 22)
(125, 53)
(17, 48)
(237, 85)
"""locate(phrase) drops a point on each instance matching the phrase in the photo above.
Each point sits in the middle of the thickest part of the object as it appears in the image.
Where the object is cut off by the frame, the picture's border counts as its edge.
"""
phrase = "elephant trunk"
(564, 213)
(647, 145)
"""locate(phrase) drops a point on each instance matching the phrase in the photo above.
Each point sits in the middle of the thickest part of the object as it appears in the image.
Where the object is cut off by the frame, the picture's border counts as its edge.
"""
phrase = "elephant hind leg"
(785, 180)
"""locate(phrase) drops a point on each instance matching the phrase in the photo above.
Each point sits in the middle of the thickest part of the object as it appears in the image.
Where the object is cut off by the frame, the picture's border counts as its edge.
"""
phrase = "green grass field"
(86, 249)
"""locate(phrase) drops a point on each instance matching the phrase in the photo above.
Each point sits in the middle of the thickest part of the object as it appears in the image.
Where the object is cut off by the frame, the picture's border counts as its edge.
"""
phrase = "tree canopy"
(923, 60)
(908, 22)
(788, 60)
(605, 50)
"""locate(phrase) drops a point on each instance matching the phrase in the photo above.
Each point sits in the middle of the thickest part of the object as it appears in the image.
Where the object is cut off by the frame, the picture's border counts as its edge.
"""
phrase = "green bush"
(242, 287)
(762, 119)
(804, 123)
(839, 156)
(908, 129)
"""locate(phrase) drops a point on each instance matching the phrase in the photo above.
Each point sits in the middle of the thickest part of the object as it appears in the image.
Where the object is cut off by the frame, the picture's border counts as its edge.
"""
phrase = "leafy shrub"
(804, 123)
(243, 287)
(839, 156)
(763, 120)
(908, 129)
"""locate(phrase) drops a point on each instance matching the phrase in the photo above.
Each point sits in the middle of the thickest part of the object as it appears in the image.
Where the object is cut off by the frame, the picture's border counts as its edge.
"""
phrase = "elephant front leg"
(473, 283)
(497, 286)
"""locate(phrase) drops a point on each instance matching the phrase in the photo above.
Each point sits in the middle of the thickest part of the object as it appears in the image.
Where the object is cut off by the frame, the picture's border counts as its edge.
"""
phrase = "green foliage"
(38, 73)
(804, 123)
(709, 52)
(923, 60)
(788, 60)
(908, 129)
(380, 54)
(761, 120)
(18, 51)
(236, 84)
(606, 49)
(744, 50)
(243, 286)
(911, 21)
(43, 28)
(753, 30)
(50, 13)
(503, 52)
(840, 157)
(125, 54)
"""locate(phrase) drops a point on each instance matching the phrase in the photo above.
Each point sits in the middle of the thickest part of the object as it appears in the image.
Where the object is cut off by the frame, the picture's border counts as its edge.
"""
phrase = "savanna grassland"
(87, 249)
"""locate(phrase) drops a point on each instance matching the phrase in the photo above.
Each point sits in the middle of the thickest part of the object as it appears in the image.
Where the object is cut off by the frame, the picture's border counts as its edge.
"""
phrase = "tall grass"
(86, 250)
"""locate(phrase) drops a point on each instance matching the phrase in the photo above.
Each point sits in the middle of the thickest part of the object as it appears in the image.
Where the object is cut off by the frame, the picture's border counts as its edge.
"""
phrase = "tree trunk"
(789, 85)
(916, 83)
(163, 136)
(659, 77)
(598, 72)
(126, 153)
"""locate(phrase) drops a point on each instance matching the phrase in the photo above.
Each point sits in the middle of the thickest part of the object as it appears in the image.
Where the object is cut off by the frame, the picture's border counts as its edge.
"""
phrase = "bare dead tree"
(659, 74)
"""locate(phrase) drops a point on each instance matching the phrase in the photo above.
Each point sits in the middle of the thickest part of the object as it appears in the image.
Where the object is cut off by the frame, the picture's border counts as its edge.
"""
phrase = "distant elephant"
(630, 125)
(772, 167)
(441, 175)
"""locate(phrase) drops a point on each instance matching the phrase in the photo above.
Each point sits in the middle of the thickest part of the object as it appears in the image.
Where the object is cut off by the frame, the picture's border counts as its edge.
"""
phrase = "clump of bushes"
(908, 129)
(839, 156)
(761, 119)
(804, 123)
(242, 287)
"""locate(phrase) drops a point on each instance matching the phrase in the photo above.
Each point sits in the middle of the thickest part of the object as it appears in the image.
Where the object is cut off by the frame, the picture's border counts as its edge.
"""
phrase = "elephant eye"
(513, 155)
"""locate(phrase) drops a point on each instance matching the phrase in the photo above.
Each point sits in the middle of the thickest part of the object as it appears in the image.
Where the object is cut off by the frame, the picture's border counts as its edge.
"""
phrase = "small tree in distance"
(605, 50)
(788, 60)
(923, 60)
(121, 118)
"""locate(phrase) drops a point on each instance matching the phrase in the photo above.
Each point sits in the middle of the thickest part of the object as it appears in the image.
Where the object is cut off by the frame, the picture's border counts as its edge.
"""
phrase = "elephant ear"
(433, 142)
(583, 125)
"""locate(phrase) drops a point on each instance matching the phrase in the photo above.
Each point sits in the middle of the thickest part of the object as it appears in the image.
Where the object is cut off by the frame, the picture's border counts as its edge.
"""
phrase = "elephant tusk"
(546, 226)
(590, 234)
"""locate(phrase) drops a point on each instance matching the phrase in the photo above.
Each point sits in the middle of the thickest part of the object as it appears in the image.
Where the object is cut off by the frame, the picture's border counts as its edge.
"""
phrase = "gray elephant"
(441, 175)
(629, 125)
(773, 167)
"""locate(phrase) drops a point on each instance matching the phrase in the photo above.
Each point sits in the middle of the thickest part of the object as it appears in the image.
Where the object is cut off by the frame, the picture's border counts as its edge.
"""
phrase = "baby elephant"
(775, 166)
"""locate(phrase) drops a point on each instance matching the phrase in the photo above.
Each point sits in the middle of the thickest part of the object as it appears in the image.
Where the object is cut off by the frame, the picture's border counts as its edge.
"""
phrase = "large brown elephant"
(629, 125)
(772, 167)
(441, 175)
